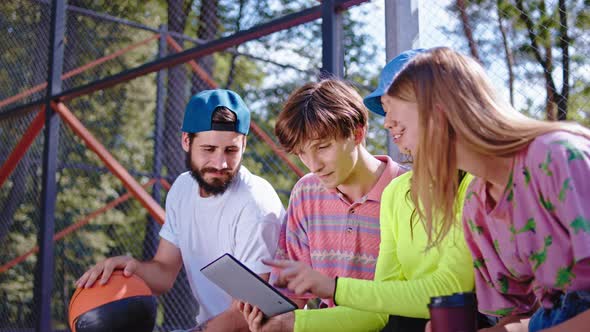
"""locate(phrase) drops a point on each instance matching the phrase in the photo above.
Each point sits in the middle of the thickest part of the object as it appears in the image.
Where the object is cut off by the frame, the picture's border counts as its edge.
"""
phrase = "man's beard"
(217, 186)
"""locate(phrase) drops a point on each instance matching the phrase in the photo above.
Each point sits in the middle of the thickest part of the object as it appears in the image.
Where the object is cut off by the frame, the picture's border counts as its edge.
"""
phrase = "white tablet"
(241, 283)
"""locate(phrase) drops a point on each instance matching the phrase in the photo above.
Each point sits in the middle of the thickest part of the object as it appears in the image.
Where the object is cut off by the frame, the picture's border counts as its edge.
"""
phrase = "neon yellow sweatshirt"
(406, 275)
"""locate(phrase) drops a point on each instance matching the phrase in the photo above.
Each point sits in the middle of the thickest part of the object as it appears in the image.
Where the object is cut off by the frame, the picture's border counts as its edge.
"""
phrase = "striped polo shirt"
(333, 235)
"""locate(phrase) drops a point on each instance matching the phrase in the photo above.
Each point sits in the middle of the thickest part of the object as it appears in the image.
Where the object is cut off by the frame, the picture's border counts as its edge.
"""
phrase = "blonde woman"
(527, 213)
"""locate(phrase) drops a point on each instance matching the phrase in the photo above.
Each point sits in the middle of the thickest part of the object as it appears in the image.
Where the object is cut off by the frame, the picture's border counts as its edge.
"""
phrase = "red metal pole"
(70, 229)
(165, 184)
(194, 65)
(263, 136)
(76, 71)
(22, 146)
(210, 47)
(112, 164)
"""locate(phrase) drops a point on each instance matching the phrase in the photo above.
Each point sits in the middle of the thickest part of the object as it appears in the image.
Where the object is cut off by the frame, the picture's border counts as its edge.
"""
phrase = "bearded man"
(216, 207)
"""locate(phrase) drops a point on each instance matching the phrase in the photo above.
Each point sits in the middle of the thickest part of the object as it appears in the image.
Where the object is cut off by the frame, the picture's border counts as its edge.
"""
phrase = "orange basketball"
(122, 304)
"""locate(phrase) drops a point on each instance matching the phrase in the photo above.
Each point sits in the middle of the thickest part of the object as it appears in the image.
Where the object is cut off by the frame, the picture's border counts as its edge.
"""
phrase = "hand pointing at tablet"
(300, 278)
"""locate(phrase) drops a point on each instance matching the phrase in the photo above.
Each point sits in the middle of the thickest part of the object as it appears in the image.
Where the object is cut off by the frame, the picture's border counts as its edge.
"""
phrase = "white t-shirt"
(244, 221)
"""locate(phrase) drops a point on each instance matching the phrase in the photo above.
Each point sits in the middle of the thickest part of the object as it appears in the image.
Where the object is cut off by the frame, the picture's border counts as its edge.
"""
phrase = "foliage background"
(525, 57)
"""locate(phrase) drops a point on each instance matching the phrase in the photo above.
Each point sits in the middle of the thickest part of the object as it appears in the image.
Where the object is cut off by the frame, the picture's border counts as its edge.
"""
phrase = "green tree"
(122, 119)
(540, 39)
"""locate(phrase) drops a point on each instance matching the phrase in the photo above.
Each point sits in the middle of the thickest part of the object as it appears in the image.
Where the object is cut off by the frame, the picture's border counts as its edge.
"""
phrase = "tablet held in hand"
(243, 284)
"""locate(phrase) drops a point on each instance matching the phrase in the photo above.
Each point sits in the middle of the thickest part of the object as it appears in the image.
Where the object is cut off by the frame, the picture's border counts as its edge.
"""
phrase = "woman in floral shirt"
(527, 213)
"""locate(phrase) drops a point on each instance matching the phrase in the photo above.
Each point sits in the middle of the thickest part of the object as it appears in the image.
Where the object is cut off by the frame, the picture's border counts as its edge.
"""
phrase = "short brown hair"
(223, 114)
(329, 109)
(220, 115)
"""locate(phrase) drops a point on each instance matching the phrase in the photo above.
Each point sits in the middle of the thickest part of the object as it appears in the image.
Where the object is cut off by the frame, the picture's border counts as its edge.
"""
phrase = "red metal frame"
(240, 37)
(134, 189)
(112, 164)
(193, 64)
(75, 226)
(23, 145)
(166, 184)
(77, 71)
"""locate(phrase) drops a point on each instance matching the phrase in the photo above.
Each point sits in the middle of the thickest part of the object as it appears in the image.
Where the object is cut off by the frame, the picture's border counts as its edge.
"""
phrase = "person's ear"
(245, 143)
(359, 135)
(186, 142)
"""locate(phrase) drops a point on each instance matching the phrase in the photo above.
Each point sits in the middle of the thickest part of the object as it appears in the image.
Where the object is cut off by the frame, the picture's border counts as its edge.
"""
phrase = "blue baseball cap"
(373, 100)
(199, 111)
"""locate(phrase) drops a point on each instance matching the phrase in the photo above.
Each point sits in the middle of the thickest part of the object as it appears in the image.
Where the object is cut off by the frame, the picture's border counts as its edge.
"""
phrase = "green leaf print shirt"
(535, 243)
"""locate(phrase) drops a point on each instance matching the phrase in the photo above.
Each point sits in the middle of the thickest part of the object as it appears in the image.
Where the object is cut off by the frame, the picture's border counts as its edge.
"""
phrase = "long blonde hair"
(455, 98)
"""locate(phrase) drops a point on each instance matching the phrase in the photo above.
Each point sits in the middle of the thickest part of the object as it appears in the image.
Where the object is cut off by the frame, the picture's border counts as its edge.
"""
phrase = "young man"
(333, 214)
(216, 207)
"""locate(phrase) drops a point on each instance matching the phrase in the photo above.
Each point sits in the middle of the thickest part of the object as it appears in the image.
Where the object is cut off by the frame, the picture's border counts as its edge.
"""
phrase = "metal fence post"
(401, 33)
(151, 228)
(160, 107)
(332, 49)
(46, 258)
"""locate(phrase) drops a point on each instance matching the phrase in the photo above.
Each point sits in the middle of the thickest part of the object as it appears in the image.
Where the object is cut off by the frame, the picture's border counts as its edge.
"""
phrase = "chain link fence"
(533, 50)
(138, 120)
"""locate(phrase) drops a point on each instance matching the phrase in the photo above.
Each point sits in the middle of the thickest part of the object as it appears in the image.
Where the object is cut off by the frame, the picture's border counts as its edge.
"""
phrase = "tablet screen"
(241, 283)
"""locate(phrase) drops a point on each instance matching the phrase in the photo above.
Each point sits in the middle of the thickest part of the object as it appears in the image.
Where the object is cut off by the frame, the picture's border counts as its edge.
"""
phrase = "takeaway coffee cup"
(453, 313)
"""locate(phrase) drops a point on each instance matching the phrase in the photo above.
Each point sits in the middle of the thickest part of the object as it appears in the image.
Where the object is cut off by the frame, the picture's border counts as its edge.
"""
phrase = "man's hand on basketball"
(257, 323)
(105, 268)
(300, 278)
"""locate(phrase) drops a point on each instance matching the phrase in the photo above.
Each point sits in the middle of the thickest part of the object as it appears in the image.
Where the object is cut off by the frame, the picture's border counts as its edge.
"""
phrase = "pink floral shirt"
(534, 244)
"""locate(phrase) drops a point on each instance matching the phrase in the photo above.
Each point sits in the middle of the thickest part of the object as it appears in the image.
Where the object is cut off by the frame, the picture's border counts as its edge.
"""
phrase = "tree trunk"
(208, 28)
(550, 106)
(467, 29)
(561, 107)
(176, 100)
(547, 62)
(180, 307)
(564, 42)
(234, 56)
(507, 51)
